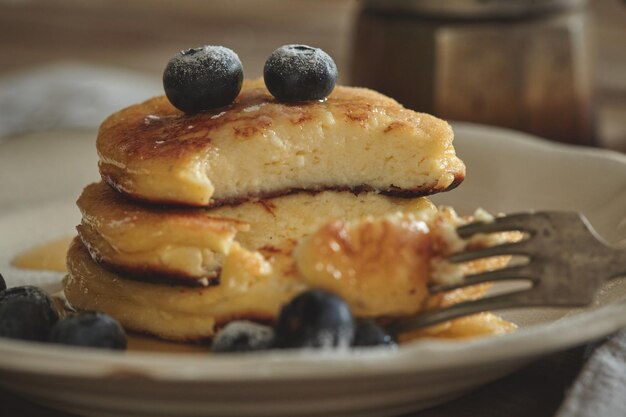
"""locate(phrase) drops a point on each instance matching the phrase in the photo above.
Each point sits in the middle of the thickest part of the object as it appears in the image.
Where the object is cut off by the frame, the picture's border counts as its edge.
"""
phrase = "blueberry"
(3, 283)
(315, 318)
(296, 73)
(90, 329)
(204, 78)
(23, 318)
(368, 333)
(35, 295)
(243, 336)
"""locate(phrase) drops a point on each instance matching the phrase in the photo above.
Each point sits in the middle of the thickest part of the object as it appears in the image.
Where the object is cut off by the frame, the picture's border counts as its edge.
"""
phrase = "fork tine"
(508, 273)
(514, 248)
(497, 302)
(518, 221)
(567, 264)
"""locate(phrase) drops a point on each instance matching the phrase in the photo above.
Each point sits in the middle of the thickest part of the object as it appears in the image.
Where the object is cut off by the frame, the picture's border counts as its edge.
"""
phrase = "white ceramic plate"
(507, 172)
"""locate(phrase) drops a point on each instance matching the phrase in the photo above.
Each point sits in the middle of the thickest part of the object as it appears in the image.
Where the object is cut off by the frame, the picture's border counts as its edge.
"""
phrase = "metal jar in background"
(522, 64)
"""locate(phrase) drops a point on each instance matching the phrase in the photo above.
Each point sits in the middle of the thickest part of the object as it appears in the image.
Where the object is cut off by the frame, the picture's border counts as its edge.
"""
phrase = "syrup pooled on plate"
(49, 256)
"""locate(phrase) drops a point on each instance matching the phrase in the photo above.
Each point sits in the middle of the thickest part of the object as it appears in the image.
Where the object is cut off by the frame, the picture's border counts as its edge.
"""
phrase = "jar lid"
(472, 9)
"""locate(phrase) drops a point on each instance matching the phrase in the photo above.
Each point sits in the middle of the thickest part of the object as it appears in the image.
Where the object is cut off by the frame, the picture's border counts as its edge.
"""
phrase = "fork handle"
(617, 264)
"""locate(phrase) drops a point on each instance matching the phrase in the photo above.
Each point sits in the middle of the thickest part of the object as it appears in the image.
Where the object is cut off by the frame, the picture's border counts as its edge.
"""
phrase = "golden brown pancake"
(382, 265)
(175, 244)
(145, 240)
(177, 312)
(388, 284)
(356, 140)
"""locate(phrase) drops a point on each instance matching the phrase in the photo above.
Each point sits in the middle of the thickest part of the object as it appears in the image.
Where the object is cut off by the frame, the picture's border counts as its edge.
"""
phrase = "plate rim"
(437, 355)
(279, 364)
(536, 141)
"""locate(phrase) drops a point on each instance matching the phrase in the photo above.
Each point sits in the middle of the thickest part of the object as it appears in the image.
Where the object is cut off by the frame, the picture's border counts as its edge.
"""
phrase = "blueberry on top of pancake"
(296, 73)
(204, 78)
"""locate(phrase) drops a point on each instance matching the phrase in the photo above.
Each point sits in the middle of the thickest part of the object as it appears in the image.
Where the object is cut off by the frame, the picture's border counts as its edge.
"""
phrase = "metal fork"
(567, 263)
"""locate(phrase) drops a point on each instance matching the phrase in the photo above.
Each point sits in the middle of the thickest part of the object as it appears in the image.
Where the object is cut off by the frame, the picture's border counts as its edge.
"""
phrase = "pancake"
(174, 244)
(177, 312)
(150, 241)
(255, 287)
(374, 262)
(355, 140)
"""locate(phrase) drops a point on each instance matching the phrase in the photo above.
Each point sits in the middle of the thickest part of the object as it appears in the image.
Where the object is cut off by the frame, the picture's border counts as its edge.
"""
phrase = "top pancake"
(356, 140)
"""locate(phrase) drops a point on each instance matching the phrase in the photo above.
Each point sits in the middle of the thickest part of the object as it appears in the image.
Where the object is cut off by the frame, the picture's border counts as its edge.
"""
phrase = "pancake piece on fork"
(386, 284)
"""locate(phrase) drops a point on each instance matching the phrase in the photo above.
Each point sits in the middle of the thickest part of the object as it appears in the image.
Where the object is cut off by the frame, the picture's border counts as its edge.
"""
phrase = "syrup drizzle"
(49, 256)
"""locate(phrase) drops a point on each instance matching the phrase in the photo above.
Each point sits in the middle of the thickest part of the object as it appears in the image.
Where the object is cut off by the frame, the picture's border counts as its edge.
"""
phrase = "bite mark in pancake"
(257, 148)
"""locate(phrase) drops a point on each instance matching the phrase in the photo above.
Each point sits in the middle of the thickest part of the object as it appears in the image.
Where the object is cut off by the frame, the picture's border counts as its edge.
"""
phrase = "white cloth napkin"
(600, 389)
(68, 95)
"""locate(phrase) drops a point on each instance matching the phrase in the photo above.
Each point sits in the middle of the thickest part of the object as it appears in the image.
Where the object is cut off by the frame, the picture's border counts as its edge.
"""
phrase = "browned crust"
(251, 315)
(144, 273)
(97, 197)
(459, 177)
(142, 134)
(133, 132)
(268, 206)
(393, 191)
(254, 316)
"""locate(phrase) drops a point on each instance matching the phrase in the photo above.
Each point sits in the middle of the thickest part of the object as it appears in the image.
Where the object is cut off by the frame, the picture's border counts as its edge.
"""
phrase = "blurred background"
(555, 68)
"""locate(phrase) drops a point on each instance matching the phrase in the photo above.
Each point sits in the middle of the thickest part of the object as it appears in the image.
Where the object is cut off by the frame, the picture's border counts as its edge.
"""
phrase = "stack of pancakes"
(207, 218)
